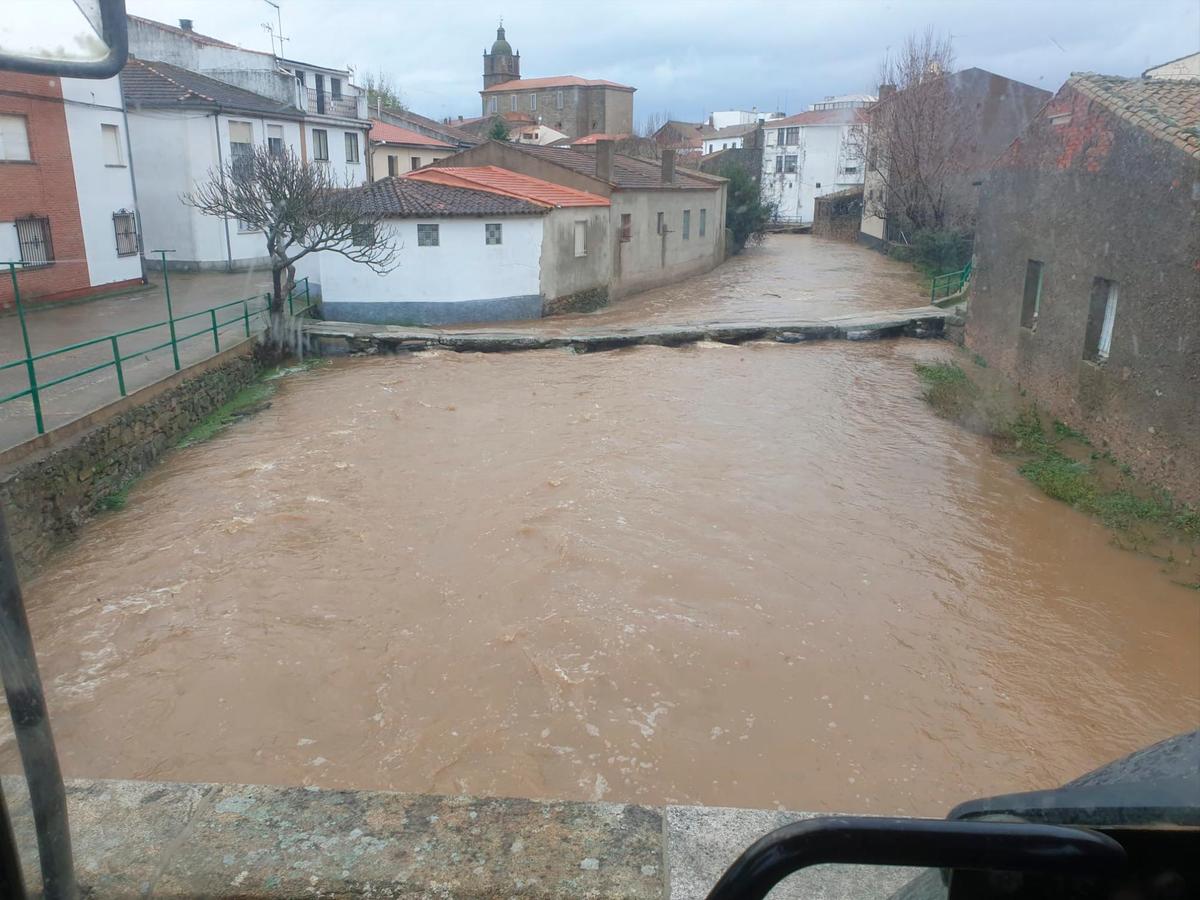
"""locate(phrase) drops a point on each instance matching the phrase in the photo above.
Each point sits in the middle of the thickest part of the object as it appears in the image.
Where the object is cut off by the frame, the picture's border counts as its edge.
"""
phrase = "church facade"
(570, 104)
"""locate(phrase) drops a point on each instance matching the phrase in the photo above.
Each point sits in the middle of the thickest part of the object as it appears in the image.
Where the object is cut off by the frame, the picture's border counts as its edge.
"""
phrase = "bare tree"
(301, 208)
(914, 142)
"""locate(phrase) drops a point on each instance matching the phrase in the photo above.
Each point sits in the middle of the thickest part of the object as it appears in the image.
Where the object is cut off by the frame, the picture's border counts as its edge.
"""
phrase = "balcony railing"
(324, 104)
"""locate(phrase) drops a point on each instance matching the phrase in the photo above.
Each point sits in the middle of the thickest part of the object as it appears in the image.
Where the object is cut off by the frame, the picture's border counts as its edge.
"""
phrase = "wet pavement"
(758, 576)
(67, 324)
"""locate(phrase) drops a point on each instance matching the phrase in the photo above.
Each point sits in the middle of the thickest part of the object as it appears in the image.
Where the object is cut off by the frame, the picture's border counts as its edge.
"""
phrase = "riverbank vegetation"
(1065, 465)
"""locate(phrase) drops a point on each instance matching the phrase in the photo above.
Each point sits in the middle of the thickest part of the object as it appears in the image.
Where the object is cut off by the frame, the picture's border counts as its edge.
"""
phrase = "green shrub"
(1059, 477)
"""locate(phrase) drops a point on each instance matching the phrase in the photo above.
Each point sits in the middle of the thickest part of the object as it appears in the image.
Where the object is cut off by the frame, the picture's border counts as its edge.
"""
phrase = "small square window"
(414, 162)
(14, 138)
(493, 232)
(362, 235)
(427, 235)
(33, 238)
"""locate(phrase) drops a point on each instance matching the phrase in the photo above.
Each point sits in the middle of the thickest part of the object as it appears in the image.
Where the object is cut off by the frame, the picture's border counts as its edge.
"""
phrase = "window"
(1032, 303)
(491, 104)
(427, 236)
(125, 226)
(687, 224)
(335, 88)
(703, 221)
(321, 144)
(492, 233)
(581, 238)
(362, 235)
(14, 139)
(533, 102)
(558, 99)
(850, 170)
(789, 165)
(393, 164)
(1102, 315)
(241, 147)
(275, 139)
(626, 227)
(789, 136)
(110, 137)
(33, 236)
(779, 165)
(436, 159)
(351, 147)
(661, 224)
(513, 104)
(414, 162)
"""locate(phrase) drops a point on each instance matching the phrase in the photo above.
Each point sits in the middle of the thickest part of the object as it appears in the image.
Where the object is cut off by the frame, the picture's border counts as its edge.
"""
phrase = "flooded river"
(748, 576)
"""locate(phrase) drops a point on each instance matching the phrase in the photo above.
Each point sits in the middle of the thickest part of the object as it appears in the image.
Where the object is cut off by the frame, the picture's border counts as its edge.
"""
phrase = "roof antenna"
(279, 28)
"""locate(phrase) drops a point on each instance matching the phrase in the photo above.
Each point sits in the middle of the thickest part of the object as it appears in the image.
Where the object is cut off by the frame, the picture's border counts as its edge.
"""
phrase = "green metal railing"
(251, 309)
(949, 284)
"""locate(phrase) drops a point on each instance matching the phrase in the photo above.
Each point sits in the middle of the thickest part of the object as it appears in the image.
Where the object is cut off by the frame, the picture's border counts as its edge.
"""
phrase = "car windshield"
(581, 457)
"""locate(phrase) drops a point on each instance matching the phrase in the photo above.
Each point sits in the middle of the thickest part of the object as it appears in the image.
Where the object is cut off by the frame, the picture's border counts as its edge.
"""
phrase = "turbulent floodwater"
(787, 276)
(742, 576)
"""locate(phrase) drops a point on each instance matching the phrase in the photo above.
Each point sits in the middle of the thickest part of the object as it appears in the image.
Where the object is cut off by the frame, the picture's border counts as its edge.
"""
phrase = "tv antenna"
(277, 31)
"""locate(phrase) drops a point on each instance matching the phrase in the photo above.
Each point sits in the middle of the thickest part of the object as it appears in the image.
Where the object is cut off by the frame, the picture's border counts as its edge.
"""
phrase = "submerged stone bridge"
(348, 338)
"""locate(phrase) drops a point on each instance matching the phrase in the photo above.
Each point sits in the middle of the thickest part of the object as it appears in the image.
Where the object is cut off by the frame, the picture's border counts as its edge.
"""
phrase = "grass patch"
(1060, 477)
(247, 401)
(947, 389)
(114, 501)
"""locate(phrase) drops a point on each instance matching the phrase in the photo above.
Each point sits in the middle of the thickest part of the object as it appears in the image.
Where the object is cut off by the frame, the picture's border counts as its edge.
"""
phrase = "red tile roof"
(394, 134)
(855, 116)
(554, 81)
(592, 138)
(405, 198)
(509, 184)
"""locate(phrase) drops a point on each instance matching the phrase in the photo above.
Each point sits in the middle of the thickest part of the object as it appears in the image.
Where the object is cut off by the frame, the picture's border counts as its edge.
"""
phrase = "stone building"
(567, 103)
(1085, 285)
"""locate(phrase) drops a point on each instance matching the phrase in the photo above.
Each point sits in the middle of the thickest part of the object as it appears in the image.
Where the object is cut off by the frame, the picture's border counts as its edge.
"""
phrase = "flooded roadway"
(747, 576)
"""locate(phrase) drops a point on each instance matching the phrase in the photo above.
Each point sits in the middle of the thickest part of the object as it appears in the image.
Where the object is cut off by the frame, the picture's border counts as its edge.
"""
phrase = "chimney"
(668, 165)
(185, 24)
(886, 90)
(604, 159)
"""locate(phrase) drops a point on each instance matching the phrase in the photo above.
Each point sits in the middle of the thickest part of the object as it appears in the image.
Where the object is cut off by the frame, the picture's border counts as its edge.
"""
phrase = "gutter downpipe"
(137, 210)
(221, 169)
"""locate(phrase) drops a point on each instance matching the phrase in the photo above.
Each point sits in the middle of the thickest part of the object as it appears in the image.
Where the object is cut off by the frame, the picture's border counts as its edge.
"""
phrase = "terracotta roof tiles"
(554, 81)
(508, 183)
(407, 198)
(394, 134)
(1167, 108)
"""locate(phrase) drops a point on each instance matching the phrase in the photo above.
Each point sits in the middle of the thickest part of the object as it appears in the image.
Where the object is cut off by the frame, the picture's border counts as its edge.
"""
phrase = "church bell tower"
(501, 64)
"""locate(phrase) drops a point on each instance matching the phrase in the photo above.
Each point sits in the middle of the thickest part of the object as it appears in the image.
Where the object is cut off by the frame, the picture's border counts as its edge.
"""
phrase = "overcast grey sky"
(689, 57)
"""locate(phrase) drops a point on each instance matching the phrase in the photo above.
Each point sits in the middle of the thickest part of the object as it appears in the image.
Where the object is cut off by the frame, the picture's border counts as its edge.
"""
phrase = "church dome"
(501, 46)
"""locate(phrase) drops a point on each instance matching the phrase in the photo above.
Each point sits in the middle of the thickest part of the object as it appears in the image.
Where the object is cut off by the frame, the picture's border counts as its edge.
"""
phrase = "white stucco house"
(396, 150)
(729, 137)
(811, 154)
(182, 125)
(473, 244)
(334, 111)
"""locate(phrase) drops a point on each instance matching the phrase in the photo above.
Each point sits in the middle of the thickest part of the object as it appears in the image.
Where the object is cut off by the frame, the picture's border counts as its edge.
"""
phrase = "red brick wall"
(43, 187)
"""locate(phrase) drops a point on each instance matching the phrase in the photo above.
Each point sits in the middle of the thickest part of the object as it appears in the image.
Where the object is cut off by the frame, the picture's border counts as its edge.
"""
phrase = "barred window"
(33, 236)
(427, 235)
(125, 227)
(362, 235)
(493, 232)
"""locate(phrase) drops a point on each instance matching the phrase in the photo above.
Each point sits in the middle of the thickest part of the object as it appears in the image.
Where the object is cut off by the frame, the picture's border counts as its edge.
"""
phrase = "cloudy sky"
(688, 57)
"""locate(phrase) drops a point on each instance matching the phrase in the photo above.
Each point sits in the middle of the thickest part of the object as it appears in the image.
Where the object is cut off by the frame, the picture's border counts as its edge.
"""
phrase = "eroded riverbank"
(742, 576)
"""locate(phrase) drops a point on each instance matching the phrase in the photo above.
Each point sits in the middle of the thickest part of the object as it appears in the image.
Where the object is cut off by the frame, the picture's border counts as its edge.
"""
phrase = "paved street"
(61, 326)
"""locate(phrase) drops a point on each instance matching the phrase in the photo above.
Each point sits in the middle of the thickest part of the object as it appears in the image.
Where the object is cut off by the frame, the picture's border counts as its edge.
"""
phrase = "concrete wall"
(838, 216)
(1093, 197)
(51, 485)
(650, 259)
(462, 279)
(174, 153)
(102, 188)
(573, 283)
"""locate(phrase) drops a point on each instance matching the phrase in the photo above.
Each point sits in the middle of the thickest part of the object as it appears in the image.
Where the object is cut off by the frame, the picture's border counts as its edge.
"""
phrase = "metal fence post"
(170, 315)
(117, 362)
(29, 367)
(291, 311)
(246, 316)
(216, 340)
(307, 297)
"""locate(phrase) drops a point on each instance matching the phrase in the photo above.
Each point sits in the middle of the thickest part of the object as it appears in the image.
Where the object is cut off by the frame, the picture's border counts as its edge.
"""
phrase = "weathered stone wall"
(1089, 196)
(839, 215)
(748, 158)
(51, 485)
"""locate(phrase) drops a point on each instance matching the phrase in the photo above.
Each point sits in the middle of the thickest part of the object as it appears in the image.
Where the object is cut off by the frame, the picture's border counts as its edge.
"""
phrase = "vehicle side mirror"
(68, 38)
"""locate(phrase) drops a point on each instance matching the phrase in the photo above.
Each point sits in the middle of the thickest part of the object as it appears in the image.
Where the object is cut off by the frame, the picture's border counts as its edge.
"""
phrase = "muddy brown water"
(788, 276)
(750, 576)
